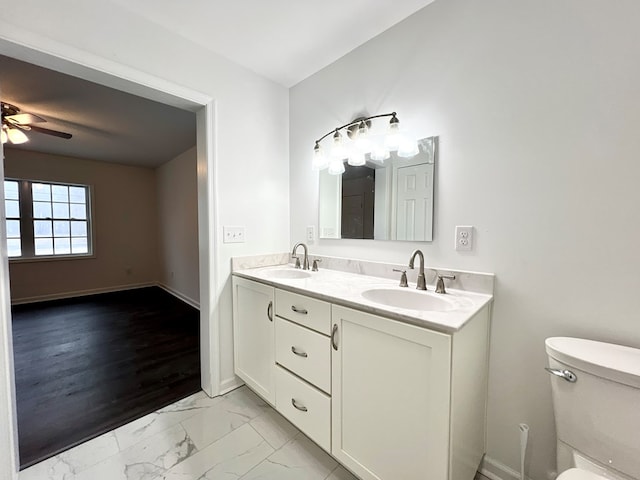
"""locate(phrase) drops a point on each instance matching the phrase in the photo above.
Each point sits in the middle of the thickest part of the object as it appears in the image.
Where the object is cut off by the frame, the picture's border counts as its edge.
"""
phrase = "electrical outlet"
(233, 234)
(464, 239)
(311, 234)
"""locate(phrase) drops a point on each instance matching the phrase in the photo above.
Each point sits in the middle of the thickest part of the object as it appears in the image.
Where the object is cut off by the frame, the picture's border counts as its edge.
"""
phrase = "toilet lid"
(579, 474)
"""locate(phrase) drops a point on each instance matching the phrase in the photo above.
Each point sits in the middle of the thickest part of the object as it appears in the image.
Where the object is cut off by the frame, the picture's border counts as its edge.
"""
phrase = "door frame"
(100, 70)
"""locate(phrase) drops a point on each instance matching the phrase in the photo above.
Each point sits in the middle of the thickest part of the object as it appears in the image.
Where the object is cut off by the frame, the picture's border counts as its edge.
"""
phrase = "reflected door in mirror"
(384, 200)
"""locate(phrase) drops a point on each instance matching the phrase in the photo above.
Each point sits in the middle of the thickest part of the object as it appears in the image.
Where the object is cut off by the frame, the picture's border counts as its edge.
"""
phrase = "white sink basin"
(409, 299)
(288, 273)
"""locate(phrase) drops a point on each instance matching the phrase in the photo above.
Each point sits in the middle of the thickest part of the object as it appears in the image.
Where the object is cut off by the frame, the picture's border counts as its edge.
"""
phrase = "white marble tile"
(51, 469)
(298, 459)
(226, 459)
(146, 460)
(165, 418)
(89, 453)
(274, 428)
(235, 409)
(341, 473)
(65, 465)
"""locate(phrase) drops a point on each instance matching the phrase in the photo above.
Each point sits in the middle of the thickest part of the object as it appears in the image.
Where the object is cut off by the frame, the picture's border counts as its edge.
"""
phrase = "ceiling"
(284, 40)
(106, 124)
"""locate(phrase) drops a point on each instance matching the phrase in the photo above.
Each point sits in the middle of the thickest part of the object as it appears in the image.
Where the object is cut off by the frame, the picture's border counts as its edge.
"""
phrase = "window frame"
(27, 223)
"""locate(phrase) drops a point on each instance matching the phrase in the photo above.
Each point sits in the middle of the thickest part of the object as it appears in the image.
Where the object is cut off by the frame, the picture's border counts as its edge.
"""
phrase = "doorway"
(138, 83)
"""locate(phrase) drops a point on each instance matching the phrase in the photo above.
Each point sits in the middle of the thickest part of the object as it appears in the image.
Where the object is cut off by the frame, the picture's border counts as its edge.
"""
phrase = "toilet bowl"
(596, 394)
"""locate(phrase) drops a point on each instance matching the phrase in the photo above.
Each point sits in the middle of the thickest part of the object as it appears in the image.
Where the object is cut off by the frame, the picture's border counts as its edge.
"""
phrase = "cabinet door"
(390, 397)
(253, 336)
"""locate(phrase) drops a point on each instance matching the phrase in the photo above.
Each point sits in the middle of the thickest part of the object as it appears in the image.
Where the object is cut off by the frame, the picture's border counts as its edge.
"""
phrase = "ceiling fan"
(15, 123)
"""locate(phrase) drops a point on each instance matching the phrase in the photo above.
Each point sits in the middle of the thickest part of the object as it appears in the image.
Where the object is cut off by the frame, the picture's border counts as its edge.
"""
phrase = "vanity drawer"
(306, 407)
(304, 352)
(312, 313)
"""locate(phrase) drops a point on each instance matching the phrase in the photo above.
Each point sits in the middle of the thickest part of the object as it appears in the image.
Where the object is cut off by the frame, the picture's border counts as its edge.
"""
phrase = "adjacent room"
(102, 236)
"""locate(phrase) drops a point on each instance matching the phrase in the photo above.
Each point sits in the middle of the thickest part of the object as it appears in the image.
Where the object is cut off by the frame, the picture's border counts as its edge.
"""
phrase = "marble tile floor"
(232, 437)
(236, 436)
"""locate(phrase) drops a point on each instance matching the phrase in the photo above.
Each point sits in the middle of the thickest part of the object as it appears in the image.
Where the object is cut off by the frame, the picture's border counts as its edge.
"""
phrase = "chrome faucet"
(422, 284)
(305, 261)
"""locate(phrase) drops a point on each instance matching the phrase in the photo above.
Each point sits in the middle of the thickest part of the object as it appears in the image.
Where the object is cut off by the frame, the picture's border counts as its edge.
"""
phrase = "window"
(12, 211)
(47, 219)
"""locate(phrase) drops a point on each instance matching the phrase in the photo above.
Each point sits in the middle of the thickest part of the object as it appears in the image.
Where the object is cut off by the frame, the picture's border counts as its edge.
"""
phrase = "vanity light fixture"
(362, 142)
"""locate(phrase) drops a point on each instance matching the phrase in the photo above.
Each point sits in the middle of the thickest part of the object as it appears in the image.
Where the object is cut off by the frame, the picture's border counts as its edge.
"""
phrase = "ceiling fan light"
(16, 136)
(4, 136)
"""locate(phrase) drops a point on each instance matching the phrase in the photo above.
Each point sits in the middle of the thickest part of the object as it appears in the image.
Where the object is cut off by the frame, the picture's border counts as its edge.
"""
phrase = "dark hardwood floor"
(87, 365)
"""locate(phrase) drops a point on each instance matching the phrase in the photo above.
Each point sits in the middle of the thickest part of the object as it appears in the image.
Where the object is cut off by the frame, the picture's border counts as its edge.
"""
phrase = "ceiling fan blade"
(48, 131)
(25, 118)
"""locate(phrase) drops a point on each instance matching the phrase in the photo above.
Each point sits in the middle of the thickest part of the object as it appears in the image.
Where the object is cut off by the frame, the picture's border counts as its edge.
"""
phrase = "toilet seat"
(579, 474)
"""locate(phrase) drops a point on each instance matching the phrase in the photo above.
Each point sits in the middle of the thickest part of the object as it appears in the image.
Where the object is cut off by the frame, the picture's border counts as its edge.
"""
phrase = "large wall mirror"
(382, 200)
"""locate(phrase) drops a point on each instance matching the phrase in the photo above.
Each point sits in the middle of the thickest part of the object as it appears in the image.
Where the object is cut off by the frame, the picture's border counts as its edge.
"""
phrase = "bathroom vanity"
(391, 392)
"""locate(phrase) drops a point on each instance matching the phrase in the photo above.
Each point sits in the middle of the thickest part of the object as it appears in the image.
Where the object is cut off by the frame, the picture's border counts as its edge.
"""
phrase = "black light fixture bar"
(357, 121)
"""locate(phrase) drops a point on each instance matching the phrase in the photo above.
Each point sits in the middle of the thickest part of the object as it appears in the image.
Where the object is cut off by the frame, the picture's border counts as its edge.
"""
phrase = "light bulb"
(338, 150)
(4, 136)
(356, 158)
(362, 141)
(16, 136)
(320, 160)
(336, 167)
(408, 148)
(393, 139)
(379, 153)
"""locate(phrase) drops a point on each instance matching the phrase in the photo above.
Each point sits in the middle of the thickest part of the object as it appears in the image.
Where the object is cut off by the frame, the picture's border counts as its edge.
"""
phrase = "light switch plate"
(233, 234)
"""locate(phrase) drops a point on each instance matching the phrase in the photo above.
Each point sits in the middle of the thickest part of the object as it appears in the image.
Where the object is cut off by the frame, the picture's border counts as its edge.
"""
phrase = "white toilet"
(596, 401)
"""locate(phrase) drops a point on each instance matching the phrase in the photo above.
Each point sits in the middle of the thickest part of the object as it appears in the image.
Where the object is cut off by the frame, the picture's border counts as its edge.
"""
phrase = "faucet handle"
(440, 282)
(297, 261)
(314, 268)
(403, 277)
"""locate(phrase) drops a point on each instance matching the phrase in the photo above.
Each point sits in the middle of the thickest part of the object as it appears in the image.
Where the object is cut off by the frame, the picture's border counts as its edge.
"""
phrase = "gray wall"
(537, 105)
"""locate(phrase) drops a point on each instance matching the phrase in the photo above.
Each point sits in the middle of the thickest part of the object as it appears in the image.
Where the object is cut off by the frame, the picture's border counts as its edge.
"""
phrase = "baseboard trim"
(179, 295)
(230, 384)
(494, 470)
(80, 293)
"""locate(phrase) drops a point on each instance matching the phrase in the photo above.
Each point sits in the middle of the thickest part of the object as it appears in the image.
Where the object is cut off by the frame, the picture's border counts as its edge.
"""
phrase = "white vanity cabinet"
(408, 402)
(254, 336)
(389, 400)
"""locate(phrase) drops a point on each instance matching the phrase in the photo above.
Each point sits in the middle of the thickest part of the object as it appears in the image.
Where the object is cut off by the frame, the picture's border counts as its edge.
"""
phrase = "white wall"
(177, 204)
(537, 105)
(124, 226)
(248, 172)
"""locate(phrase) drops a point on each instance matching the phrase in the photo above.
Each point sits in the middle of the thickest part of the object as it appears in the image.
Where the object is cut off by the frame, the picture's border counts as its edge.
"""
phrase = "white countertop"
(346, 289)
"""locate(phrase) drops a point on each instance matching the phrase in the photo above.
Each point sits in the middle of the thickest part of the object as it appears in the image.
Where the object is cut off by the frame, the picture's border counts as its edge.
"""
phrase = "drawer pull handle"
(300, 354)
(270, 311)
(302, 408)
(334, 334)
(299, 310)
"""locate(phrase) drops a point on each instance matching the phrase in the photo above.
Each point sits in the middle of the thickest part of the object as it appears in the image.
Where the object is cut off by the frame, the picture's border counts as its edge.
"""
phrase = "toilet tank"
(599, 414)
